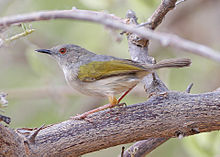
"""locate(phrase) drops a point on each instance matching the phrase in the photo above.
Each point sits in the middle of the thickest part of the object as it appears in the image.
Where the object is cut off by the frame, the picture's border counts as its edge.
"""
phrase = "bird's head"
(66, 54)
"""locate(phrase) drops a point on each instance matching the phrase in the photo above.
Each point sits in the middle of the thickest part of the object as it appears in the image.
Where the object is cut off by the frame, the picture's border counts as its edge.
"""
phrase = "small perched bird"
(102, 75)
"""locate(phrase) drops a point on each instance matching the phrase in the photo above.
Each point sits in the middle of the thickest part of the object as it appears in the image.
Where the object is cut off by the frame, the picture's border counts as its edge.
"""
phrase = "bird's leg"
(84, 115)
(125, 93)
(113, 101)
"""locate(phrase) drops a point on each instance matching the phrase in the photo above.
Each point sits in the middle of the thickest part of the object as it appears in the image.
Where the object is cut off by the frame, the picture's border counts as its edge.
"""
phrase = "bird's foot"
(84, 115)
(121, 104)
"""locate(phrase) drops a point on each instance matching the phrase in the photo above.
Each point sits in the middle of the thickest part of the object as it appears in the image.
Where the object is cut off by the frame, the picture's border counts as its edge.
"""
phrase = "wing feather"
(97, 70)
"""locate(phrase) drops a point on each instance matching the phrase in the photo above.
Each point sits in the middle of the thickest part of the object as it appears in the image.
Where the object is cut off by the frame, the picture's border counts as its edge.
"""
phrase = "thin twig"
(112, 21)
(26, 31)
(17, 36)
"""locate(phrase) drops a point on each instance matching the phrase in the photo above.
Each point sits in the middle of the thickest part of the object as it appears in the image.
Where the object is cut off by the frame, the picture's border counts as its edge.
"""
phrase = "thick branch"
(138, 49)
(114, 22)
(163, 116)
(10, 143)
(151, 86)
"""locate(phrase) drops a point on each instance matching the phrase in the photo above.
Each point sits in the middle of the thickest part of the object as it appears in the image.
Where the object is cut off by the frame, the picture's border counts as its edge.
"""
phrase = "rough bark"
(11, 144)
(165, 115)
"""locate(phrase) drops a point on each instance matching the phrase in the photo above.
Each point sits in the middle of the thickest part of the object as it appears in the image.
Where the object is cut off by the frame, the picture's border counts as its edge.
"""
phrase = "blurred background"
(38, 93)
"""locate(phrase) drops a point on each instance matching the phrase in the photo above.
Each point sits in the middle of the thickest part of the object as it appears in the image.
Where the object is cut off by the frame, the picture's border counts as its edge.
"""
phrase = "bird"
(102, 75)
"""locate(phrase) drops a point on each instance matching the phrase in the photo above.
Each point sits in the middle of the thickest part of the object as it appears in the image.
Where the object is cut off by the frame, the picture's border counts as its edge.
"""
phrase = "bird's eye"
(62, 50)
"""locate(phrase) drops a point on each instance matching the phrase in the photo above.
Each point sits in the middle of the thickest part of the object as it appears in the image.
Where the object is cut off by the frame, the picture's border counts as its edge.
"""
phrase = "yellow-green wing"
(97, 70)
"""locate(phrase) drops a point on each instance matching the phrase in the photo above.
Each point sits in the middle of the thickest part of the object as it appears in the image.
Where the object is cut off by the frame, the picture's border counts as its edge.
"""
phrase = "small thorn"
(123, 32)
(122, 151)
(188, 89)
(32, 137)
(179, 134)
(195, 130)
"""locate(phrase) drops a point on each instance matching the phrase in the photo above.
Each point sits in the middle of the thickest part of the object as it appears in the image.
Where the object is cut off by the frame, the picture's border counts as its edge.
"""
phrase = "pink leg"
(112, 101)
(84, 115)
(125, 93)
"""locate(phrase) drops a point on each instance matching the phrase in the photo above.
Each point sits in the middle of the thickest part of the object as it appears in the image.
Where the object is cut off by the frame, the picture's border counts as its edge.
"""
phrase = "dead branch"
(138, 48)
(112, 21)
(162, 116)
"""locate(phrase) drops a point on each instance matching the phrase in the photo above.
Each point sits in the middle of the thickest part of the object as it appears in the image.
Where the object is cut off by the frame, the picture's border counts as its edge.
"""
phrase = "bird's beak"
(44, 51)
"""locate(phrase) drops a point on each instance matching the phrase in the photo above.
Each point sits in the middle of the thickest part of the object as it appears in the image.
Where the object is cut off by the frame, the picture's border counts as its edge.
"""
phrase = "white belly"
(105, 87)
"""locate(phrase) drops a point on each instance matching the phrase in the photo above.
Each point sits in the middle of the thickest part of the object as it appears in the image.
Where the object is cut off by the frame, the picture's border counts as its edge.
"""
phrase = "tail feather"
(175, 63)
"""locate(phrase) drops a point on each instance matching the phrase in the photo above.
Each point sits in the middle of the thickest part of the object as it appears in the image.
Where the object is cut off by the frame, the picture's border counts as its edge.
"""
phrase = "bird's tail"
(175, 63)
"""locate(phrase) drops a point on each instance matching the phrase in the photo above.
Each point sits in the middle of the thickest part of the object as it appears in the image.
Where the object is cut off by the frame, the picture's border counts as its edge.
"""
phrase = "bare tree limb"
(114, 22)
(138, 49)
(162, 116)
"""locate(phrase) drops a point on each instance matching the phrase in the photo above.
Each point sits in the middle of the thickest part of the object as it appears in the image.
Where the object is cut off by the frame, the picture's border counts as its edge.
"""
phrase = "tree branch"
(160, 12)
(138, 49)
(117, 23)
(162, 116)
(142, 148)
